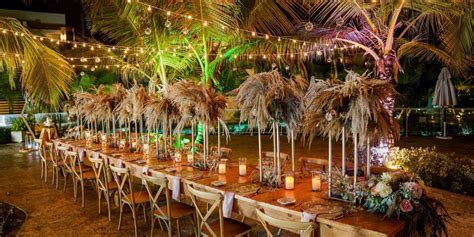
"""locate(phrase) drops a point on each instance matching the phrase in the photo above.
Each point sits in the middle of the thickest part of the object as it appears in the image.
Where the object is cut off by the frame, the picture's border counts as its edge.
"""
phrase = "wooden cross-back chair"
(45, 162)
(303, 229)
(79, 175)
(105, 187)
(307, 162)
(127, 196)
(224, 154)
(66, 169)
(157, 187)
(222, 227)
(56, 163)
(268, 156)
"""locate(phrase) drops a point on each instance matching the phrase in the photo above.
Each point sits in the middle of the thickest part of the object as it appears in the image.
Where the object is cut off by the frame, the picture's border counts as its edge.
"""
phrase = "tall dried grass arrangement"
(196, 101)
(160, 111)
(356, 103)
(267, 96)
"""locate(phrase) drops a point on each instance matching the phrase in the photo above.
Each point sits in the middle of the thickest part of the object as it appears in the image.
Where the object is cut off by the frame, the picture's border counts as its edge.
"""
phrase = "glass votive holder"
(242, 166)
(289, 180)
(146, 149)
(222, 166)
(190, 158)
(122, 144)
(315, 180)
(177, 157)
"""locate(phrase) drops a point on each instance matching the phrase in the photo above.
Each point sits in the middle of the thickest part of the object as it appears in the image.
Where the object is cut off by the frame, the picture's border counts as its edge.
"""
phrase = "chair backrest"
(100, 173)
(305, 229)
(225, 152)
(73, 163)
(215, 199)
(49, 148)
(161, 184)
(41, 149)
(124, 183)
(267, 156)
(305, 161)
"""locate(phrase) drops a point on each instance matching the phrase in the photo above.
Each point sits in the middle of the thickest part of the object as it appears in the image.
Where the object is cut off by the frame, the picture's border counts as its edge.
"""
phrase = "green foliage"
(19, 125)
(446, 171)
(92, 80)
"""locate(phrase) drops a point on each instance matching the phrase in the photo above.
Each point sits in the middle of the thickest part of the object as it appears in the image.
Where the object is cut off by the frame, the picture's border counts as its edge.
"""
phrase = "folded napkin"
(228, 203)
(96, 156)
(145, 171)
(176, 188)
(118, 163)
(308, 217)
(80, 151)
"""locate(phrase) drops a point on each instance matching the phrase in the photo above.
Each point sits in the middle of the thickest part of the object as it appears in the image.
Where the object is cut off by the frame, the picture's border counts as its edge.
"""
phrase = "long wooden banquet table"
(249, 196)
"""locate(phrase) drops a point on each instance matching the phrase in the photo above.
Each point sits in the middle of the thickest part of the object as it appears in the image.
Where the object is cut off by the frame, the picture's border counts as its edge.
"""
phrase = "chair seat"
(178, 210)
(112, 185)
(88, 175)
(139, 197)
(231, 228)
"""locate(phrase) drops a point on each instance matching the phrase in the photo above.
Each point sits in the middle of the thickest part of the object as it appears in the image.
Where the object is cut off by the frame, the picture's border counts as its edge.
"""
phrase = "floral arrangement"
(400, 194)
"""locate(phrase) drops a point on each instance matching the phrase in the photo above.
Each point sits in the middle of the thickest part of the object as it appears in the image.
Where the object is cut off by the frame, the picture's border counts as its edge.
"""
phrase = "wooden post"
(292, 134)
(368, 158)
(218, 139)
(259, 152)
(278, 154)
(355, 158)
(330, 165)
(343, 151)
(192, 138)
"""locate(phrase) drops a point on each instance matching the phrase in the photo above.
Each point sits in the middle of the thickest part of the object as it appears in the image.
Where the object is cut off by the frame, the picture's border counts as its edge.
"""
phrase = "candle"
(177, 157)
(289, 180)
(146, 149)
(222, 166)
(316, 181)
(243, 166)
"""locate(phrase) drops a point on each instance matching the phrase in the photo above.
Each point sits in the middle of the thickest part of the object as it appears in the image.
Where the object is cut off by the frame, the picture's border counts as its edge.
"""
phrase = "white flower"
(383, 189)
(386, 177)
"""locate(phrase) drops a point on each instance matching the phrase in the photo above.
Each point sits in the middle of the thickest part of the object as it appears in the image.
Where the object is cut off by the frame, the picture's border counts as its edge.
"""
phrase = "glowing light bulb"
(291, 56)
(294, 41)
(190, 17)
(168, 13)
(149, 8)
(279, 39)
(267, 37)
(205, 23)
(75, 46)
(92, 48)
(250, 56)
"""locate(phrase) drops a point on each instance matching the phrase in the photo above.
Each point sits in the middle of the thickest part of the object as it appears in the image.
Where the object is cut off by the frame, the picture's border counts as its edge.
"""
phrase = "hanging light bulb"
(168, 13)
(185, 31)
(107, 67)
(167, 23)
(75, 46)
(205, 23)
(318, 53)
(267, 37)
(97, 59)
(309, 26)
(279, 39)
(190, 17)
(147, 31)
(92, 68)
(83, 59)
(287, 67)
(274, 65)
(250, 56)
(82, 73)
(149, 8)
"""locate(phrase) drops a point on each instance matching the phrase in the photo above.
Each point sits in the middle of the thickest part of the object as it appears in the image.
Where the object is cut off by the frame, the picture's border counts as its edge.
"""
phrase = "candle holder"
(146, 149)
(222, 166)
(177, 157)
(190, 158)
(242, 166)
(289, 180)
(122, 144)
(315, 180)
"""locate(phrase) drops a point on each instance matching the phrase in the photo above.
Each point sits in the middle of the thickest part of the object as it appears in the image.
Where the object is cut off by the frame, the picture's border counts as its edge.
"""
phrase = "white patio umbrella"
(444, 96)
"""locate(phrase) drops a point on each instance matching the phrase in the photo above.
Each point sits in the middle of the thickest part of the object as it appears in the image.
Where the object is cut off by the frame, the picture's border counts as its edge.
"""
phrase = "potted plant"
(18, 129)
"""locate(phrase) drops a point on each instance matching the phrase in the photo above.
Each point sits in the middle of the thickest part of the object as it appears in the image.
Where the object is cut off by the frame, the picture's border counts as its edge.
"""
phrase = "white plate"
(218, 183)
(172, 169)
(286, 201)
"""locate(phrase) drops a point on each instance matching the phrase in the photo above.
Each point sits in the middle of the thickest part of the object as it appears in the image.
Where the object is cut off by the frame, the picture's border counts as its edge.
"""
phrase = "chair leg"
(134, 214)
(42, 168)
(82, 189)
(144, 212)
(45, 172)
(65, 180)
(178, 229)
(120, 216)
(52, 173)
(107, 196)
(99, 194)
(152, 226)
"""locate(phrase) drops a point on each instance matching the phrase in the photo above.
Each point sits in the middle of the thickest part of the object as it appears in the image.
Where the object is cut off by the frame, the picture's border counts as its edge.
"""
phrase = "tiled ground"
(54, 213)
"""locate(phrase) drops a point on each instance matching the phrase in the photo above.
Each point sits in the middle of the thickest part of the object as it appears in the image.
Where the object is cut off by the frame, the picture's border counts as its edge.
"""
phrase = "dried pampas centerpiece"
(265, 98)
(197, 102)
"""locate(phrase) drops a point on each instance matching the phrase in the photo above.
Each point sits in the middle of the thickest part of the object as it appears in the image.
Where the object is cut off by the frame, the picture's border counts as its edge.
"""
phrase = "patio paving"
(52, 212)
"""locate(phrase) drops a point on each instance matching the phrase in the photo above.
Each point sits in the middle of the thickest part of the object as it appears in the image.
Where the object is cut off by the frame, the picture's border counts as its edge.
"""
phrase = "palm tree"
(43, 74)
(393, 29)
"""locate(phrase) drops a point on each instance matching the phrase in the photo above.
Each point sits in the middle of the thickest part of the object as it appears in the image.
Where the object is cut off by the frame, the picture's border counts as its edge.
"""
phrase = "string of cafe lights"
(205, 23)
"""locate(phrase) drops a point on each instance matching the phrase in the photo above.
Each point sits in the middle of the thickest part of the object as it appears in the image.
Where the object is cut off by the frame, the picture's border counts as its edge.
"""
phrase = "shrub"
(439, 170)
(19, 125)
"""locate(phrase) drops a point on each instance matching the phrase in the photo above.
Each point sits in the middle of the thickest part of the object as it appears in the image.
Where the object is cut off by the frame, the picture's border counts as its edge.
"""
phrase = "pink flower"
(417, 191)
(405, 206)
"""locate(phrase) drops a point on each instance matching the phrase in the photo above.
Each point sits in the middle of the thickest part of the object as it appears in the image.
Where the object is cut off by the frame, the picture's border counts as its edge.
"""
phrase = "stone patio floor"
(52, 212)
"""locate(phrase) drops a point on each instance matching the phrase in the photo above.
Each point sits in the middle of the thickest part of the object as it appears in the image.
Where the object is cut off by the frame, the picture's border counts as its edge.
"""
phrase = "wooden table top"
(360, 220)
